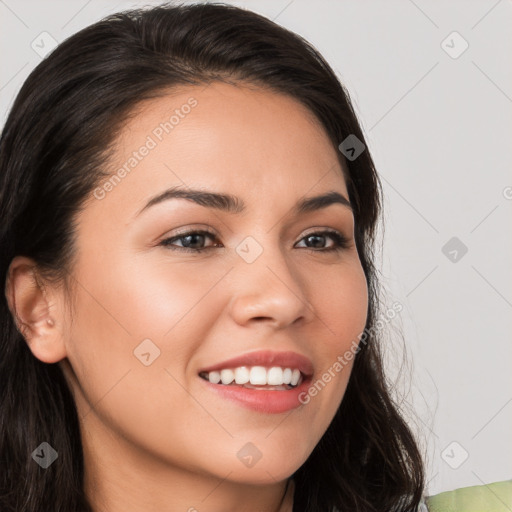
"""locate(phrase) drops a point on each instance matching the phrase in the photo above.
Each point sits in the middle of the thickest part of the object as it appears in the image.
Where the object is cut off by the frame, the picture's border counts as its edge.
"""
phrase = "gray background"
(438, 124)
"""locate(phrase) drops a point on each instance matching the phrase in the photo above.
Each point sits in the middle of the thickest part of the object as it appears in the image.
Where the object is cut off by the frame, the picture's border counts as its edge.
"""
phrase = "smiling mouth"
(256, 377)
(265, 387)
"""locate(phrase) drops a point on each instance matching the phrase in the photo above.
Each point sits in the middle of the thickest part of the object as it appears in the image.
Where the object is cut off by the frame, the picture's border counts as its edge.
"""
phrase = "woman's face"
(154, 315)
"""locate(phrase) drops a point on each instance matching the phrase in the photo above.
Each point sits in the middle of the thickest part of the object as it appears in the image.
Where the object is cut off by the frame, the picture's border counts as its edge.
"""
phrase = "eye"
(317, 239)
(193, 241)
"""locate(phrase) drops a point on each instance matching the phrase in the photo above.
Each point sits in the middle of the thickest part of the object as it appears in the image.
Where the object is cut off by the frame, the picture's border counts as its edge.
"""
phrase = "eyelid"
(200, 228)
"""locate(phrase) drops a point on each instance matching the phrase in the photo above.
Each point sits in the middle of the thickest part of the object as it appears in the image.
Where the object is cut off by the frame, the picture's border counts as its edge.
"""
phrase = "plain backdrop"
(432, 86)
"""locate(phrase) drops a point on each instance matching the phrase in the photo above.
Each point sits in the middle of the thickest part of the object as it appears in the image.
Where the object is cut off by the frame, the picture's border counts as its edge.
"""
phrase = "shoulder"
(494, 497)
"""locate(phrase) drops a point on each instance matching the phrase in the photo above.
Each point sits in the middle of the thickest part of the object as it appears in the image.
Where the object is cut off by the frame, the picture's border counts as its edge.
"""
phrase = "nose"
(268, 290)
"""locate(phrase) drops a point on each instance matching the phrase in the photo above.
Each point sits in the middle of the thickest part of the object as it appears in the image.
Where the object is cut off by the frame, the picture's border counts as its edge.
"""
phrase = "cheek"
(342, 305)
(129, 314)
(138, 299)
(162, 294)
(119, 311)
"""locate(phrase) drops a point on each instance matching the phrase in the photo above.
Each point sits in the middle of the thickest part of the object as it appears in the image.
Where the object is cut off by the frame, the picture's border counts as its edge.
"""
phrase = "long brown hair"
(53, 148)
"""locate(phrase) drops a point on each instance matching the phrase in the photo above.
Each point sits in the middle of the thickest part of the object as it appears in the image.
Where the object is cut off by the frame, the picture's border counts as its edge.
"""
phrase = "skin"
(155, 438)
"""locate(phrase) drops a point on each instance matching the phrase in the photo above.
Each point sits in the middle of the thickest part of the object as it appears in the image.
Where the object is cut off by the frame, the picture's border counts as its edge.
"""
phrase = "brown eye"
(191, 241)
(317, 241)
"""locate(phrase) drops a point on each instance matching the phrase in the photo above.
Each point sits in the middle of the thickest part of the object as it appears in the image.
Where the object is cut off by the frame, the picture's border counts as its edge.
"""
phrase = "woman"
(191, 318)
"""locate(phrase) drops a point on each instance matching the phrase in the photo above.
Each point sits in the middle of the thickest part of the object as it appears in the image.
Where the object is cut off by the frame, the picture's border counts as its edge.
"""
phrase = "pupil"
(316, 238)
(188, 237)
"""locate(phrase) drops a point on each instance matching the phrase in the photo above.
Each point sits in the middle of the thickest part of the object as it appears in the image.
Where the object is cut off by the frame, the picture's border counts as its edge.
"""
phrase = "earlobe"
(30, 303)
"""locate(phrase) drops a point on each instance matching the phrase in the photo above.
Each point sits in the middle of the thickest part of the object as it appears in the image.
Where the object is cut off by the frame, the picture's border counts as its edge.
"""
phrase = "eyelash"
(341, 242)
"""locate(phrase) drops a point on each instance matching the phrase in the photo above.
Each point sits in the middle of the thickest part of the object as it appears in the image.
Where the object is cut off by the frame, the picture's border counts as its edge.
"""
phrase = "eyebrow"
(232, 204)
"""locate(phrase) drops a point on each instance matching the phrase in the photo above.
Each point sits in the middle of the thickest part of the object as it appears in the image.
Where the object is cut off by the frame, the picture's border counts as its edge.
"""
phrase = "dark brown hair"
(53, 153)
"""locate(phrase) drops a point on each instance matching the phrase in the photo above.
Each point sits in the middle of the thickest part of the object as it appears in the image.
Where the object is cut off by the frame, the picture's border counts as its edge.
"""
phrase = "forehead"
(248, 140)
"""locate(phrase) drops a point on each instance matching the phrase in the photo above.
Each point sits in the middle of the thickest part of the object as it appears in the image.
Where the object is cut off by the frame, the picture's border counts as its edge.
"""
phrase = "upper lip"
(268, 359)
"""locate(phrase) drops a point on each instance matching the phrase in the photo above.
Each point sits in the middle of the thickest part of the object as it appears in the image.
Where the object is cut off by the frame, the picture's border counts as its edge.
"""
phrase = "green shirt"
(495, 497)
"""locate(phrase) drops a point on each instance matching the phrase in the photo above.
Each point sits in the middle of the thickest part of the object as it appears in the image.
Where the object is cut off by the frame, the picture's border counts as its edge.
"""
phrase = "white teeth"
(255, 376)
(258, 375)
(242, 375)
(227, 376)
(275, 376)
(214, 377)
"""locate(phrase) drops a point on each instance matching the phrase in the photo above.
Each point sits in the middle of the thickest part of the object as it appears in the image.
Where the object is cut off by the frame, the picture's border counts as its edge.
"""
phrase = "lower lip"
(271, 402)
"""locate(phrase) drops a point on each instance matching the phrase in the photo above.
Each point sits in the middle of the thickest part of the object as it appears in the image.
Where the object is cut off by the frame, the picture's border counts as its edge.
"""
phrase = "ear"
(36, 310)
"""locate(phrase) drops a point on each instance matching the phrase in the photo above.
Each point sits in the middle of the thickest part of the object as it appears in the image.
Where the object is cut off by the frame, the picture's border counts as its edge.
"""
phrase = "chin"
(265, 471)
